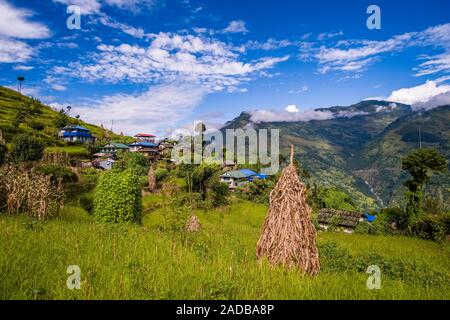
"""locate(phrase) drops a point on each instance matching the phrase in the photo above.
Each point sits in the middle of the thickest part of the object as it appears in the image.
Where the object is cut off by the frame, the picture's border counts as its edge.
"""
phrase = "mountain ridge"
(361, 153)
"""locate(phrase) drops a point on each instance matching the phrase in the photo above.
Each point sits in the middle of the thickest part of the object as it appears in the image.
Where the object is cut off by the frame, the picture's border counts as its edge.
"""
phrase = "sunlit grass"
(146, 262)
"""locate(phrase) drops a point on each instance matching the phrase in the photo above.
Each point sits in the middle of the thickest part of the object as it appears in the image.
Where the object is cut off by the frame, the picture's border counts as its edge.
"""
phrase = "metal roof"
(240, 174)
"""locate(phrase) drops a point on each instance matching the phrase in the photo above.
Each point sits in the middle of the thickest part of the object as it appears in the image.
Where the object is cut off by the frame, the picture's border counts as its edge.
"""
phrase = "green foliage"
(429, 227)
(219, 193)
(57, 172)
(420, 164)
(161, 174)
(203, 176)
(118, 197)
(320, 197)
(87, 202)
(395, 215)
(61, 120)
(26, 148)
(36, 125)
(257, 191)
(379, 227)
(132, 160)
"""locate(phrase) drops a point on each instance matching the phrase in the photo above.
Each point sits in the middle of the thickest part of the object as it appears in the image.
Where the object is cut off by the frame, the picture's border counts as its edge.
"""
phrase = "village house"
(346, 220)
(113, 147)
(238, 178)
(149, 149)
(145, 137)
(76, 134)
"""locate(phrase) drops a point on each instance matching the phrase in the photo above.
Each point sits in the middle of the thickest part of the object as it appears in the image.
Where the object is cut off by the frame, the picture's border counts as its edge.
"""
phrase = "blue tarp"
(369, 217)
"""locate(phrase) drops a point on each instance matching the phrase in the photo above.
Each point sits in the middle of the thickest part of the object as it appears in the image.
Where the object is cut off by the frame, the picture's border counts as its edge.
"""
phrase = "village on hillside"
(320, 168)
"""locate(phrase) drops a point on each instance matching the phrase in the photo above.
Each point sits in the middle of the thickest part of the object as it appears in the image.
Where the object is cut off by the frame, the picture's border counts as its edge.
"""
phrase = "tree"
(20, 79)
(26, 148)
(420, 164)
(203, 176)
(132, 160)
(61, 119)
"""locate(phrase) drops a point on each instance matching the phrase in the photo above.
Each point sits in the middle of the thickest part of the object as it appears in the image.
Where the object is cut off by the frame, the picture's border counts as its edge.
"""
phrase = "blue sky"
(158, 65)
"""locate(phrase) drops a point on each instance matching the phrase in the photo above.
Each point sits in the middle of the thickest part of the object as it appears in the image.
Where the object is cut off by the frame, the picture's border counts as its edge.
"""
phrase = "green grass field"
(148, 262)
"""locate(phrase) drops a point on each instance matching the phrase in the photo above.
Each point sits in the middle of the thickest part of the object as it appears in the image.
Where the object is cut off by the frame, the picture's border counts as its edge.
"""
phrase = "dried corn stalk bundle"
(288, 236)
(25, 191)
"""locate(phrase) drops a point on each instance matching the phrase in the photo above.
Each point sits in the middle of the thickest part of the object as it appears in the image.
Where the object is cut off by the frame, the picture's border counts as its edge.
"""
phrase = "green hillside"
(380, 159)
(361, 153)
(21, 114)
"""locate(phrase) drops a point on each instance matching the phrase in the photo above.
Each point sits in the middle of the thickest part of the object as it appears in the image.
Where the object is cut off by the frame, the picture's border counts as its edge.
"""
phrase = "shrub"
(395, 215)
(36, 125)
(219, 193)
(132, 160)
(26, 148)
(87, 203)
(429, 227)
(257, 191)
(58, 172)
(161, 174)
(118, 197)
(334, 198)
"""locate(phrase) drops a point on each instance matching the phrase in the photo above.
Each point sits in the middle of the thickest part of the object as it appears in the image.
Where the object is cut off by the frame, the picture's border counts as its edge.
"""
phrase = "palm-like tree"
(20, 79)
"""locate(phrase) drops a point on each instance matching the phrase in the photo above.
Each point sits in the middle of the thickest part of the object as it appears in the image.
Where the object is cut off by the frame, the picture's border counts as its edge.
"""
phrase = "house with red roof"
(145, 137)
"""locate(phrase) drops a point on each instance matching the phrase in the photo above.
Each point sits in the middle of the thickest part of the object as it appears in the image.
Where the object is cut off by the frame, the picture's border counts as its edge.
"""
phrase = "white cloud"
(302, 89)
(200, 60)
(125, 28)
(435, 64)
(436, 101)
(420, 94)
(132, 5)
(87, 6)
(12, 51)
(58, 87)
(23, 68)
(357, 55)
(237, 26)
(153, 110)
(286, 116)
(270, 44)
(292, 108)
(14, 23)
(329, 35)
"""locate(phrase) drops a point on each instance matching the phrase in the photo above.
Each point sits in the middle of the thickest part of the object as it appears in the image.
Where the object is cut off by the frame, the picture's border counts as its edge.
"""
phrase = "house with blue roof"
(76, 134)
(238, 178)
(149, 149)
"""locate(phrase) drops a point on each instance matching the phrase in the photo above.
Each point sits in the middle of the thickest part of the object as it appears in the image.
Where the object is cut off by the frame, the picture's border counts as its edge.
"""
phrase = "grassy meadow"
(151, 262)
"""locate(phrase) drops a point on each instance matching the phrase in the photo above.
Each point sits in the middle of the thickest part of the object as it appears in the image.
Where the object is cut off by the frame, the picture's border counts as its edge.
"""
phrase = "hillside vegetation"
(360, 150)
(21, 114)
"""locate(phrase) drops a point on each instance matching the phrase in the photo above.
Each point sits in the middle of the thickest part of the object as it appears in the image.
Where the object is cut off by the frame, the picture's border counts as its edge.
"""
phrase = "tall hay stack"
(288, 236)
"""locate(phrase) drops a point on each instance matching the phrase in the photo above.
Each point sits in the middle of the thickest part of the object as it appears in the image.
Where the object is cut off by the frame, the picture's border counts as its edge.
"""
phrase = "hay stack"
(193, 224)
(288, 236)
(151, 180)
